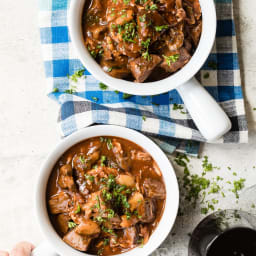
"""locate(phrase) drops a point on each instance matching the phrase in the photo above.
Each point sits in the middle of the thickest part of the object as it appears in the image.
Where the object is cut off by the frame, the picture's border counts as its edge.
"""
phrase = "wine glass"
(216, 224)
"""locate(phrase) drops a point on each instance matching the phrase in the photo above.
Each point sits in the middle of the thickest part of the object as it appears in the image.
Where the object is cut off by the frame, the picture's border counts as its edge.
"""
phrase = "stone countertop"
(29, 130)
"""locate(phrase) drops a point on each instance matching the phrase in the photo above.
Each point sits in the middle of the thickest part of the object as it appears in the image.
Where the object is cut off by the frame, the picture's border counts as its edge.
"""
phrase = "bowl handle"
(44, 249)
(208, 116)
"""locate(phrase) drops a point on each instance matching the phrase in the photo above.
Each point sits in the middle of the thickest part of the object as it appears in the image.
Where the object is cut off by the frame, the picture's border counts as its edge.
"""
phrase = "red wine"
(234, 242)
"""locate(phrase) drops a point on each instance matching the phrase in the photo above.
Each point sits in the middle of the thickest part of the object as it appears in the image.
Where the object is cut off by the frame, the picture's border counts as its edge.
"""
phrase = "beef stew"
(105, 196)
(145, 40)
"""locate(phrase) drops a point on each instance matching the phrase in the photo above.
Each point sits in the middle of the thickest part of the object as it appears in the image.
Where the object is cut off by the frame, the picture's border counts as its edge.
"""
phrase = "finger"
(4, 253)
(22, 249)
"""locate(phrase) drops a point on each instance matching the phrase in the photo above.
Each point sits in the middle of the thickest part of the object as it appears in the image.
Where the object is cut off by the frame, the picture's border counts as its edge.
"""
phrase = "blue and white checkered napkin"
(156, 116)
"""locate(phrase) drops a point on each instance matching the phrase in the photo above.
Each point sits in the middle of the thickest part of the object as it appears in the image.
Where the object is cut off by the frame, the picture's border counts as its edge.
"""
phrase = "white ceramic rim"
(172, 190)
(153, 88)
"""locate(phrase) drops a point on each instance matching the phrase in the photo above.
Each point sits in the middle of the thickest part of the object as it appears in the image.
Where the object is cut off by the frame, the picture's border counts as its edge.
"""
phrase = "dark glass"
(234, 242)
(225, 233)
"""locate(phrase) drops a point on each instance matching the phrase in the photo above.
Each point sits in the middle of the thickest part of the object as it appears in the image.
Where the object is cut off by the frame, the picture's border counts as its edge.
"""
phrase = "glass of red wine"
(227, 232)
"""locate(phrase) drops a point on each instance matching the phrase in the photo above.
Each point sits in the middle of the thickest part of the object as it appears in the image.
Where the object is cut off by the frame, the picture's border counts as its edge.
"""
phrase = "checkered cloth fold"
(155, 116)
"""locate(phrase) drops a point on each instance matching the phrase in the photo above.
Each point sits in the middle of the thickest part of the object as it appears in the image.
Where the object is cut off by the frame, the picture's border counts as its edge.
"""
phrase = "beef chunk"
(59, 203)
(96, 7)
(88, 227)
(65, 178)
(140, 156)
(144, 232)
(196, 33)
(62, 222)
(129, 238)
(187, 45)
(154, 188)
(113, 223)
(166, 4)
(175, 60)
(82, 186)
(150, 25)
(147, 211)
(122, 160)
(83, 162)
(77, 241)
(175, 38)
(117, 69)
(142, 67)
(128, 222)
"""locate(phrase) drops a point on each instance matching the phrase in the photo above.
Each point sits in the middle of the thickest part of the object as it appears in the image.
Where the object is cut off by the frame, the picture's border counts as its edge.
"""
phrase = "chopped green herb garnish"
(111, 181)
(127, 31)
(146, 43)
(153, 7)
(89, 177)
(76, 75)
(109, 144)
(111, 213)
(238, 185)
(141, 242)
(206, 165)
(102, 160)
(108, 230)
(95, 99)
(78, 209)
(98, 202)
(177, 106)
(100, 251)
(106, 241)
(55, 89)
(103, 86)
(212, 64)
(160, 28)
(71, 224)
(206, 75)
(82, 159)
(143, 18)
(127, 96)
(146, 55)
(214, 188)
(171, 59)
(107, 195)
(204, 210)
(144, 118)
(71, 90)
(99, 219)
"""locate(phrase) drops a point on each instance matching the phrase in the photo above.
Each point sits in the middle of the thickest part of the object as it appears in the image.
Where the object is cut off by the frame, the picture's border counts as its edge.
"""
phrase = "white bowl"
(152, 88)
(198, 101)
(54, 242)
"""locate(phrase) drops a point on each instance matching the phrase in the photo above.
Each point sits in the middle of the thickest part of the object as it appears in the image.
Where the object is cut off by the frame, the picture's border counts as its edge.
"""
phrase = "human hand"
(21, 249)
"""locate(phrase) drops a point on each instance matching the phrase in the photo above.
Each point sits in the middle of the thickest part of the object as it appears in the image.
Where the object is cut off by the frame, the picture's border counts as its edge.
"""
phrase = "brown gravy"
(106, 195)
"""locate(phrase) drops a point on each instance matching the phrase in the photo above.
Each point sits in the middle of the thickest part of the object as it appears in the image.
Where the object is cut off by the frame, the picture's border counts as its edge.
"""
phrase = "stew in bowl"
(142, 40)
(106, 196)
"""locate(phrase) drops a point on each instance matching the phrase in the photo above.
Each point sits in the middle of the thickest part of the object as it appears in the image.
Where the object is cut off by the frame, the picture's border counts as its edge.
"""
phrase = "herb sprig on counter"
(199, 189)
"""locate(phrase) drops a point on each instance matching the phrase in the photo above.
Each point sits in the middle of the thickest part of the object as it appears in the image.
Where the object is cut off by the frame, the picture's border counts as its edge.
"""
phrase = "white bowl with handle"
(208, 116)
(54, 245)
